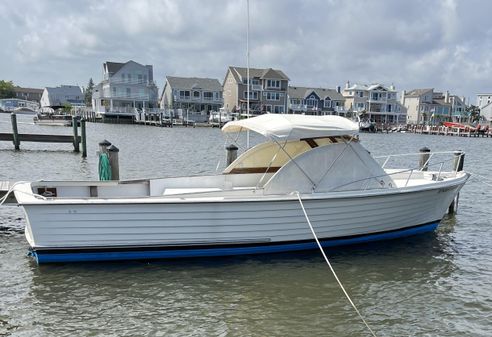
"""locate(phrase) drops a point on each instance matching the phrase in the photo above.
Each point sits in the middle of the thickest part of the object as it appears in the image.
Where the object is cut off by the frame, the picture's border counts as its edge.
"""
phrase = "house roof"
(368, 87)
(211, 84)
(113, 67)
(322, 93)
(30, 90)
(239, 73)
(67, 90)
(417, 92)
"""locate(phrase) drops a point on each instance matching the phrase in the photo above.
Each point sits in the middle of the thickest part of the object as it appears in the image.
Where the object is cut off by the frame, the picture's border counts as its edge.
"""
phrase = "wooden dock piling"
(83, 138)
(424, 158)
(459, 163)
(76, 140)
(15, 132)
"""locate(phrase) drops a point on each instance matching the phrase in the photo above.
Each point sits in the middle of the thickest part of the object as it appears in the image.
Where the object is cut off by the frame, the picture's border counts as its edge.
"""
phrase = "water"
(433, 285)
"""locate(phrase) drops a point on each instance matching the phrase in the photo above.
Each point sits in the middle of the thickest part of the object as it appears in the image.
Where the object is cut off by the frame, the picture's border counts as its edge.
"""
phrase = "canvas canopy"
(292, 127)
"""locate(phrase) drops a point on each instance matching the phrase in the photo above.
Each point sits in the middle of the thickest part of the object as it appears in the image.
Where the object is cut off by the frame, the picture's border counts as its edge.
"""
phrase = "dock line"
(329, 265)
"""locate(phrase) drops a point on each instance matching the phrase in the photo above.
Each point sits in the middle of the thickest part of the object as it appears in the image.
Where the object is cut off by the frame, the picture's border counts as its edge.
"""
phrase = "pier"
(78, 141)
(449, 131)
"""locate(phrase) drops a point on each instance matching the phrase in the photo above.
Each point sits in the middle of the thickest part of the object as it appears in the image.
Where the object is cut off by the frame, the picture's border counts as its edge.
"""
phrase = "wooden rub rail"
(16, 138)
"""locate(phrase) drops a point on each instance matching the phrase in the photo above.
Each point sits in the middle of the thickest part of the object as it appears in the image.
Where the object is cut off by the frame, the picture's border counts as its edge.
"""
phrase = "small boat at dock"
(52, 119)
(254, 207)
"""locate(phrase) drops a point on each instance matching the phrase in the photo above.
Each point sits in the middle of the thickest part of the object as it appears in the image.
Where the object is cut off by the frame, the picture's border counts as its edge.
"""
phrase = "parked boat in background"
(219, 118)
(52, 119)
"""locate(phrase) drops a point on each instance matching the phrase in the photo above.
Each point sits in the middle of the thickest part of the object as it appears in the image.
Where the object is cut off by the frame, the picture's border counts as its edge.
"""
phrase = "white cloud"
(442, 44)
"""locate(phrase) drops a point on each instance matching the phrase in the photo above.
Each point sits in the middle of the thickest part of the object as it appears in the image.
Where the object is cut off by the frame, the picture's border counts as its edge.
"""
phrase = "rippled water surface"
(439, 284)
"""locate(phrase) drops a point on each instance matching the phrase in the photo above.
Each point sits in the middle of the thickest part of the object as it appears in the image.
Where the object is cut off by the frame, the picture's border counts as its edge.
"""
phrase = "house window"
(267, 108)
(145, 78)
(114, 91)
(196, 94)
(273, 84)
(312, 103)
(360, 93)
(129, 77)
(252, 95)
(123, 77)
(128, 92)
(140, 78)
(359, 106)
(272, 96)
(208, 95)
(294, 101)
(327, 103)
(389, 108)
(184, 94)
(278, 109)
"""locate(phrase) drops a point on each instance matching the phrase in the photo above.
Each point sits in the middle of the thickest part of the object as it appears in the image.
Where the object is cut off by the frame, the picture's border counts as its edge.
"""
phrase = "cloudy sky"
(413, 44)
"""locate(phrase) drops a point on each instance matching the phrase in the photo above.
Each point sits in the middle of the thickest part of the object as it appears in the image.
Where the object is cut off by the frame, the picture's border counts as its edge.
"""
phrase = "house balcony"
(190, 99)
(113, 81)
(298, 107)
(256, 87)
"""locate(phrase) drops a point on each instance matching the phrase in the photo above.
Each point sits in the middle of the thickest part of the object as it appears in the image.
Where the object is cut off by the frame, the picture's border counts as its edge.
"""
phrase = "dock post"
(84, 138)
(459, 162)
(424, 158)
(76, 147)
(15, 132)
(231, 153)
(113, 160)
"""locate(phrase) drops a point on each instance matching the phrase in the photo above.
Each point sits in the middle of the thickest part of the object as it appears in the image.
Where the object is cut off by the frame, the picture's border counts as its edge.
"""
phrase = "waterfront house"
(484, 99)
(125, 88)
(377, 102)
(425, 106)
(268, 90)
(192, 94)
(28, 94)
(484, 103)
(458, 108)
(63, 95)
(315, 101)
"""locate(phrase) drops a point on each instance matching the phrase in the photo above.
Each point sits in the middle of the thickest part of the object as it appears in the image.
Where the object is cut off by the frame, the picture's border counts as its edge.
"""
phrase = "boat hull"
(150, 253)
(175, 229)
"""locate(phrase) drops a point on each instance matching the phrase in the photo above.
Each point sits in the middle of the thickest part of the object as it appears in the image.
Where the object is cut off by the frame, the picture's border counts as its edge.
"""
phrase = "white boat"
(53, 119)
(252, 207)
(219, 118)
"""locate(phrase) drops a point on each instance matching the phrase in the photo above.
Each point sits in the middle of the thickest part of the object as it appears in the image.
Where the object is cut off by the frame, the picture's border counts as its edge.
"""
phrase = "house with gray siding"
(315, 101)
(28, 94)
(57, 97)
(125, 87)
(268, 90)
(192, 94)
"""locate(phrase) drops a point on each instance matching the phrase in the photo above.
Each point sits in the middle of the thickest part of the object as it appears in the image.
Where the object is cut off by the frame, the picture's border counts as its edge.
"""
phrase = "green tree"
(7, 89)
(67, 107)
(473, 113)
(88, 93)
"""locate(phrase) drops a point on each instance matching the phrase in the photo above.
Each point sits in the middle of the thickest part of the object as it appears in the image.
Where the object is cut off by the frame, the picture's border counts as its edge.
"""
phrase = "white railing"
(435, 176)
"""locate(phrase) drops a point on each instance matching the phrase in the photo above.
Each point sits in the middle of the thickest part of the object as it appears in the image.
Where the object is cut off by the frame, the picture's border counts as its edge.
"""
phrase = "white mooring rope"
(329, 265)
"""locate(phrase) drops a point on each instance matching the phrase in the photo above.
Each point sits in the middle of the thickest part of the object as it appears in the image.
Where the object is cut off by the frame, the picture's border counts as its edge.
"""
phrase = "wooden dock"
(16, 138)
(449, 131)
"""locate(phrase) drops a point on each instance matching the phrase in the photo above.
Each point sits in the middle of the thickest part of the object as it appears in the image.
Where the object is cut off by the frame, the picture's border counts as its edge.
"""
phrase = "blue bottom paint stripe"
(44, 257)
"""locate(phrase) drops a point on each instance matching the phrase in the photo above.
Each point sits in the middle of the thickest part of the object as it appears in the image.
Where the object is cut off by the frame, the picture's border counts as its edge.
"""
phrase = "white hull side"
(207, 223)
